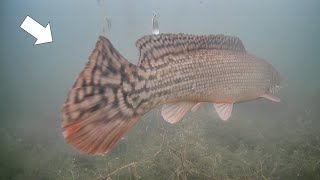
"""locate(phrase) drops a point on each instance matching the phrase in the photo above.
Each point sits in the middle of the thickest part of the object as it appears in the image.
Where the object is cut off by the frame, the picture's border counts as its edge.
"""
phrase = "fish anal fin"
(174, 112)
(224, 110)
(271, 97)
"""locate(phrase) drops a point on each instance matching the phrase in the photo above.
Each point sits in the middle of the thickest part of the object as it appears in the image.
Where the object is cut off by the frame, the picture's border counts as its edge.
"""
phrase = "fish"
(155, 24)
(106, 25)
(178, 72)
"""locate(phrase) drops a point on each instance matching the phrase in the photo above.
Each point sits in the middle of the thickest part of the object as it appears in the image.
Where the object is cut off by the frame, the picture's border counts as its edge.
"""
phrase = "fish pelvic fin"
(99, 108)
(174, 112)
(196, 107)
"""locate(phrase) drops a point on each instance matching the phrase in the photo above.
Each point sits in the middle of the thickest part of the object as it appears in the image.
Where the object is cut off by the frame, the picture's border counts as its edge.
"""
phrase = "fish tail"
(99, 108)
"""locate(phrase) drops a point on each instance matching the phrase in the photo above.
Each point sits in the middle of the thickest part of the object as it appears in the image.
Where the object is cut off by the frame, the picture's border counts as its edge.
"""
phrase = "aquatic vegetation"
(199, 147)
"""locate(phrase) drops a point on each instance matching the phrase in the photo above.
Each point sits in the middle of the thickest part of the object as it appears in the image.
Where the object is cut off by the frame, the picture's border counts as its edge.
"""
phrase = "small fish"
(106, 26)
(175, 71)
(155, 25)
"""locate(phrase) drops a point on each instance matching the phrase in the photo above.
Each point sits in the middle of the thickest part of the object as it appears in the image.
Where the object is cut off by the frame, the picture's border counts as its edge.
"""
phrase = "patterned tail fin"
(97, 112)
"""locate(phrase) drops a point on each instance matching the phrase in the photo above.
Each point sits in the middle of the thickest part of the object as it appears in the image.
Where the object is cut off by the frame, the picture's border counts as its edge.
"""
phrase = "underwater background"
(262, 140)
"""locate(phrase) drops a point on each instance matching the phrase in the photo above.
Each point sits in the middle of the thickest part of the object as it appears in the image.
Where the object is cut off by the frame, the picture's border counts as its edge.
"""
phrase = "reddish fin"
(174, 112)
(224, 110)
(271, 97)
(196, 107)
(97, 113)
(95, 136)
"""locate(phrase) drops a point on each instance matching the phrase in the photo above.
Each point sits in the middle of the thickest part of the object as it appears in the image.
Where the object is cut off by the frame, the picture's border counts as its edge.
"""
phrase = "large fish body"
(177, 71)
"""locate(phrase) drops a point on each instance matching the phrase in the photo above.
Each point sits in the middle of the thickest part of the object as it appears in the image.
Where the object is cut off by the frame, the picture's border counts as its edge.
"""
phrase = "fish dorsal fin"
(154, 47)
(174, 112)
(224, 110)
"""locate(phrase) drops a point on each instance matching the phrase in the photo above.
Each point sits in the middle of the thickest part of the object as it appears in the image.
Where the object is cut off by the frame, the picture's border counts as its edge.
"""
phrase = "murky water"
(262, 140)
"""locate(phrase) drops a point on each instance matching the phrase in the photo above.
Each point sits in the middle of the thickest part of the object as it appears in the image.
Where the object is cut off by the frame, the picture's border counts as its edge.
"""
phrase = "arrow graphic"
(42, 34)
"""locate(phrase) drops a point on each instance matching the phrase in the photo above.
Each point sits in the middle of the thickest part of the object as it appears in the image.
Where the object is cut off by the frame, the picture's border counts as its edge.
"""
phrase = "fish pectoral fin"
(271, 97)
(224, 110)
(174, 112)
(196, 107)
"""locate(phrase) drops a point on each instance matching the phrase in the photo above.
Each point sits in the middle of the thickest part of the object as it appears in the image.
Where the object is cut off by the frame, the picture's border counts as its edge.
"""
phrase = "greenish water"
(262, 140)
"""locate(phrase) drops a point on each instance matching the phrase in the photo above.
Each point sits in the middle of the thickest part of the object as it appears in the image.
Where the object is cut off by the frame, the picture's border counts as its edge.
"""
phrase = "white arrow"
(42, 34)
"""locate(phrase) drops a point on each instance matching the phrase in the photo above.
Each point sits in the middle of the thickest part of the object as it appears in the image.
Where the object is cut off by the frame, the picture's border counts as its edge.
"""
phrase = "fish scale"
(175, 71)
(238, 74)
